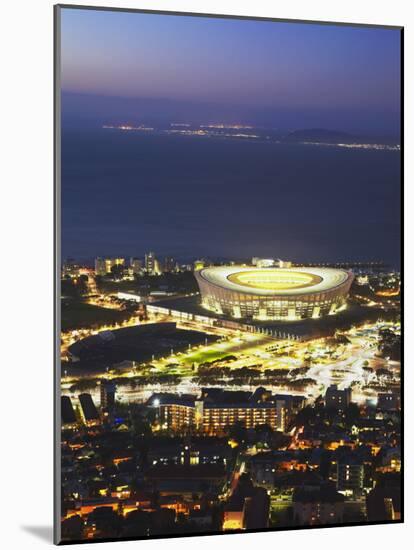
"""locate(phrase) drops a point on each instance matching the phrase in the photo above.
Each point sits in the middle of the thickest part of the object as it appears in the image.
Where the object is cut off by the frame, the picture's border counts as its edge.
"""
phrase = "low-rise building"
(338, 399)
(317, 506)
(389, 402)
(206, 450)
(248, 507)
(350, 476)
(216, 410)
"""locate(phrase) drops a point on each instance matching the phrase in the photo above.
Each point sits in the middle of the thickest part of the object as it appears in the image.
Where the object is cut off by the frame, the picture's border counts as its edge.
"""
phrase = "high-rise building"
(136, 266)
(169, 264)
(270, 262)
(103, 266)
(287, 406)
(284, 264)
(107, 393)
(100, 267)
(152, 266)
(265, 262)
(68, 413)
(112, 262)
(281, 414)
(89, 412)
(149, 262)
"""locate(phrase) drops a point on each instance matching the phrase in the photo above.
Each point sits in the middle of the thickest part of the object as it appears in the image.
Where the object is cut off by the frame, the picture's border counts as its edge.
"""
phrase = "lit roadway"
(342, 365)
(349, 369)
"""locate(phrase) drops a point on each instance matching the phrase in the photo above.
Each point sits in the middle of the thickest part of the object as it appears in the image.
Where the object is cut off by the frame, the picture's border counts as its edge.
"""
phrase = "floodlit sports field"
(274, 279)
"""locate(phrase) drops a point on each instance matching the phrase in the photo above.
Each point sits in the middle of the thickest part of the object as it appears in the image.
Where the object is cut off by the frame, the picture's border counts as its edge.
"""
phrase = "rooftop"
(271, 282)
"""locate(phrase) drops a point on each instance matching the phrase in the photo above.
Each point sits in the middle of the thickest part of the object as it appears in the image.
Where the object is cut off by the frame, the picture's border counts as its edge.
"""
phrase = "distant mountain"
(321, 135)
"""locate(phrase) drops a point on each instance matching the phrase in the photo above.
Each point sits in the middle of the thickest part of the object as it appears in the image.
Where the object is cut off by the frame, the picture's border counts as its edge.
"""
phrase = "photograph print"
(228, 309)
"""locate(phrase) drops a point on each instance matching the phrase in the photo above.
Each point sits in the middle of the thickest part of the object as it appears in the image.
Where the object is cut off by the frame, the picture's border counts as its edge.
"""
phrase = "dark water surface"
(125, 193)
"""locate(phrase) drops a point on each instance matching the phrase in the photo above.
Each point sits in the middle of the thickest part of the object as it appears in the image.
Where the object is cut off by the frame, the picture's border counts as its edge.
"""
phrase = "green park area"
(212, 353)
(77, 314)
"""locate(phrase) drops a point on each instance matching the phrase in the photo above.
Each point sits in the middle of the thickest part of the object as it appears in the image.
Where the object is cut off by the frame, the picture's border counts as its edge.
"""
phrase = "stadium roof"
(274, 281)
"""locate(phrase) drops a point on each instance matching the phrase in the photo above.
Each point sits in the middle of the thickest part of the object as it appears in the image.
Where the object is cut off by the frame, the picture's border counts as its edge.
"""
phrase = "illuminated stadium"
(273, 294)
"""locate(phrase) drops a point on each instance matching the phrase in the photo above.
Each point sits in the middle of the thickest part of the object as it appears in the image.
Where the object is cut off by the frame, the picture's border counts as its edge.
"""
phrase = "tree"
(107, 522)
(117, 271)
(305, 416)
(84, 385)
(72, 528)
(352, 414)
(237, 432)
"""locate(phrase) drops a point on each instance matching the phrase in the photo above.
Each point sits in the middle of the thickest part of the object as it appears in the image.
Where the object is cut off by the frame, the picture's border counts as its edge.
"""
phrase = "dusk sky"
(346, 78)
(130, 192)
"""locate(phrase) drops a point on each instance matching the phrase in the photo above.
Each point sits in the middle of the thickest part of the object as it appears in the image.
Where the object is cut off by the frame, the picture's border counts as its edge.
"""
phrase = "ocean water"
(125, 193)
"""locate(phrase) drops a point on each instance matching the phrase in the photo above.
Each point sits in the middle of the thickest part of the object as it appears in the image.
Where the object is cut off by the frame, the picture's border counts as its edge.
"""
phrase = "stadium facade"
(273, 293)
